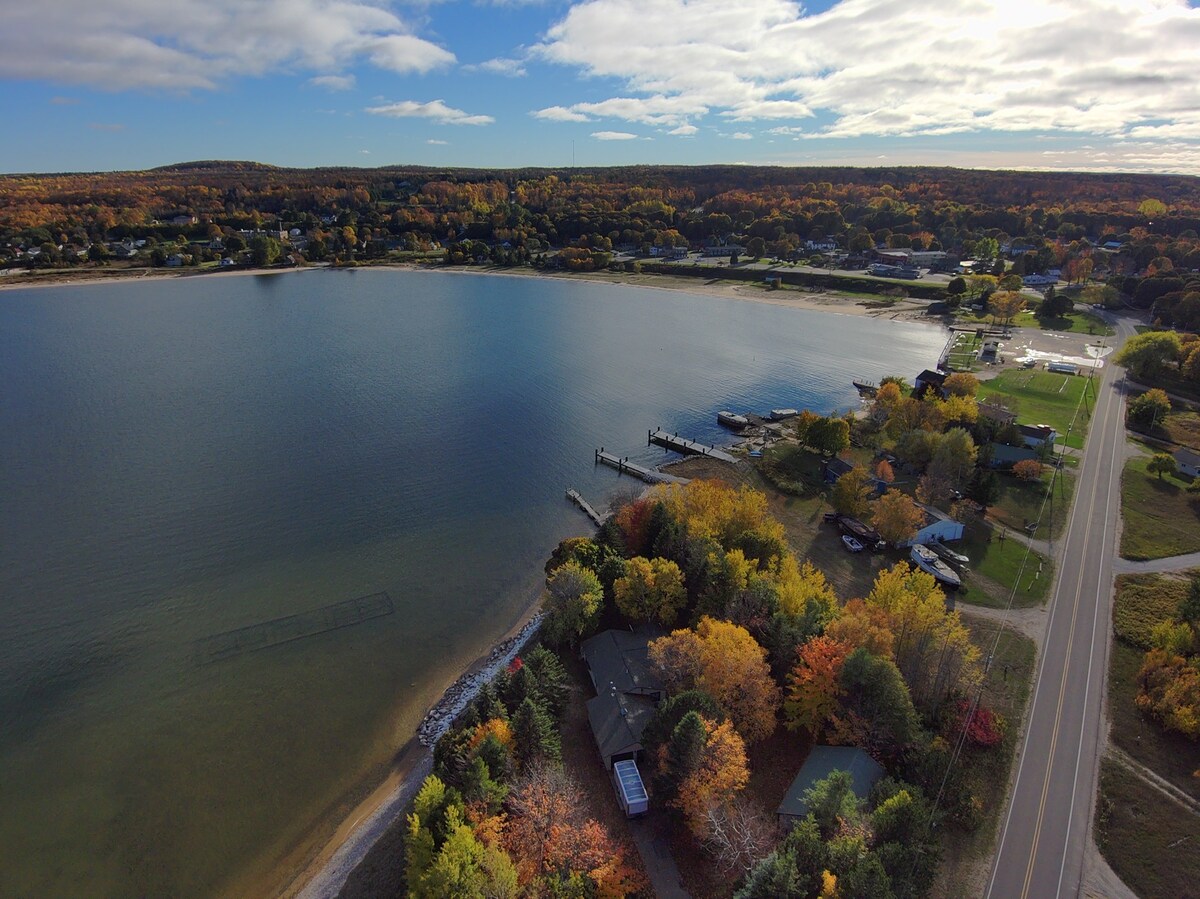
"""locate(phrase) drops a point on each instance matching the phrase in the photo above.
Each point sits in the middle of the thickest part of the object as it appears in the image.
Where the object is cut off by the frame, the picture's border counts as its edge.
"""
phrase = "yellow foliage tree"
(799, 585)
(723, 660)
(860, 625)
(896, 517)
(716, 510)
(962, 384)
(851, 494)
(494, 727)
(651, 590)
(721, 774)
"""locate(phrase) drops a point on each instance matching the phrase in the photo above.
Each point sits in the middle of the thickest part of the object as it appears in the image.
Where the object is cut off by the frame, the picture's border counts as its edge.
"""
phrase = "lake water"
(183, 458)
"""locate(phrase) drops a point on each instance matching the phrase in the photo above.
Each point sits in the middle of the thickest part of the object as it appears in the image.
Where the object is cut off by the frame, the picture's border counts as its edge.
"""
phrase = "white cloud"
(508, 68)
(684, 130)
(434, 109)
(433, 141)
(741, 135)
(179, 45)
(333, 82)
(613, 135)
(877, 67)
(559, 114)
(365, 152)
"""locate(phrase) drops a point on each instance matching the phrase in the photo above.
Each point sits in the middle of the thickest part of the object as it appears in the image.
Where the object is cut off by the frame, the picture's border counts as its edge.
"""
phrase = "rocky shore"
(466, 688)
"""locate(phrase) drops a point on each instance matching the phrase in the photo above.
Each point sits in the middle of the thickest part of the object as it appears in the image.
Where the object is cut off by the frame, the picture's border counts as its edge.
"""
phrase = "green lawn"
(1042, 397)
(963, 354)
(1161, 518)
(1023, 502)
(1149, 840)
(996, 565)
(1075, 323)
(792, 470)
(1006, 691)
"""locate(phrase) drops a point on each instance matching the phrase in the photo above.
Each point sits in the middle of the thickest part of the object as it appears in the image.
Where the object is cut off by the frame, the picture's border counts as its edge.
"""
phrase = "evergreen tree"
(551, 679)
(684, 752)
(535, 734)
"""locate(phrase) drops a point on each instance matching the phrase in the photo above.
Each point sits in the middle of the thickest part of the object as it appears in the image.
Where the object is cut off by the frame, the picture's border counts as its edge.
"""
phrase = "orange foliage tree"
(813, 691)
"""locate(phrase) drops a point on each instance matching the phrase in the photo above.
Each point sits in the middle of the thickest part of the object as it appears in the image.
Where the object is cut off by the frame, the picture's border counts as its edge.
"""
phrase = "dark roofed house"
(1004, 456)
(834, 468)
(929, 380)
(864, 771)
(1188, 462)
(627, 691)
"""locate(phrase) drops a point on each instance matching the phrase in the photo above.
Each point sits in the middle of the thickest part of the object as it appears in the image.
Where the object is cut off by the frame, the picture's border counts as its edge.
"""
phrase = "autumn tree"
(1149, 409)
(1170, 692)
(858, 624)
(954, 458)
(723, 660)
(651, 590)
(802, 590)
(1161, 464)
(1028, 470)
(718, 777)
(961, 384)
(1005, 305)
(574, 598)
(896, 517)
(884, 472)
(852, 492)
(1146, 355)
(813, 687)
(829, 436)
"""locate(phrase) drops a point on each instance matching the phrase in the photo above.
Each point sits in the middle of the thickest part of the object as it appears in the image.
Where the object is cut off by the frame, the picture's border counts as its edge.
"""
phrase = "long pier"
(597, 519)
(687, 447)
(624, 466)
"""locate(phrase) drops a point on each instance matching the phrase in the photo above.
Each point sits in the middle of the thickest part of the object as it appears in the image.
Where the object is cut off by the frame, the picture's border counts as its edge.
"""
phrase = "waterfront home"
(627, 691)
(929, 380)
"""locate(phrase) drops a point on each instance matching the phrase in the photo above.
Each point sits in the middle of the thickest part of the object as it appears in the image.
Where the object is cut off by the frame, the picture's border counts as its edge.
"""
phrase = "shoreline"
(326, 873)
(749, 291)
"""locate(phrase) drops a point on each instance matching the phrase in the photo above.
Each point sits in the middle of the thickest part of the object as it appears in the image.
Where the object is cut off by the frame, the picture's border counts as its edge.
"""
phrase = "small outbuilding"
(1038, 436)
(864, 772)
(938, 528)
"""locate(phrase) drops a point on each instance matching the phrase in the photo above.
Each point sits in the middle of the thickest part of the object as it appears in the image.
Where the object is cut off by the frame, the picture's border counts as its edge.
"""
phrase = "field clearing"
(1042, 397)
(1161, 518)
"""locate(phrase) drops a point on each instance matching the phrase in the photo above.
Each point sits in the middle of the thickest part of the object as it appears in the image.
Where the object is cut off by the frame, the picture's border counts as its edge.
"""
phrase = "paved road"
(1158, 566)
(1046, 827)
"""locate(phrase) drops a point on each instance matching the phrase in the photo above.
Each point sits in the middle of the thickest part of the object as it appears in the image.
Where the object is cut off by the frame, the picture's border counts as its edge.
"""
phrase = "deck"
(624, 466)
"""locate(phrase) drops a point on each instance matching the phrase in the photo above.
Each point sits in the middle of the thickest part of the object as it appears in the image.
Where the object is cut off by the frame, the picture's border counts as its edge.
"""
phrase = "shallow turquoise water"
(182, 458)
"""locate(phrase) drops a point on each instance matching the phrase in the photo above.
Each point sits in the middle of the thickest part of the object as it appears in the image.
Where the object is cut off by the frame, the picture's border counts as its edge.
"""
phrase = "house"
(1004, 456)
(864, 772)
(929, 380)
(1188, 462)
(938, 528)
(627, 691)
(825, 245)
(833, 469)
(1038, 280)
(1038, 436)
(998, 414)
(182, 220)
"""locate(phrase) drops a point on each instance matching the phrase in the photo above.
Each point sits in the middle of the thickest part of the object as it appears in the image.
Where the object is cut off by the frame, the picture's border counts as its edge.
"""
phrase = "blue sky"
(1074, 84)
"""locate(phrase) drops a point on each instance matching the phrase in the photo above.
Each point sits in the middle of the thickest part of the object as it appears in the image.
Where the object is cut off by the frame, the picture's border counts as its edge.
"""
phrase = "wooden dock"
(687, 447)
(624, 466)
(597, 519)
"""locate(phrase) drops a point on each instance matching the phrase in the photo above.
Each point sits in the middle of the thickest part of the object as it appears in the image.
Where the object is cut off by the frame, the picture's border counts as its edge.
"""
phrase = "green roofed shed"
(865, 772)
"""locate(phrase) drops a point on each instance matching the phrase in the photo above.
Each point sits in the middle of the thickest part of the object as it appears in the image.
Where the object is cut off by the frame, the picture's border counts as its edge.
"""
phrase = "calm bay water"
(182, 458)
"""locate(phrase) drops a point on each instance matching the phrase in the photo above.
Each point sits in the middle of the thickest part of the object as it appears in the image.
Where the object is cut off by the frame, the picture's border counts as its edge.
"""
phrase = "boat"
(781, 414)
(927, 560)
(865, 386)
(732, 420)
(949, 555)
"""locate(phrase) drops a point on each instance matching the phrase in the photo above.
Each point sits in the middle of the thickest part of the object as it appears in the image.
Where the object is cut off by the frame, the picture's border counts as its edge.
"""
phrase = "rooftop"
(865, 772)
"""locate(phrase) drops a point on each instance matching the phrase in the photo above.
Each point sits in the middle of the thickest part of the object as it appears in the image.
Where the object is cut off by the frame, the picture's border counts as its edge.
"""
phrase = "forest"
(1101, 224)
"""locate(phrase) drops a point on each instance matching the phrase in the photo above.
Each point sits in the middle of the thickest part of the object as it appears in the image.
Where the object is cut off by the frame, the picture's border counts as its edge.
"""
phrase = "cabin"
(938, 528)
(929, 380)
(864, 772)
(627, 691)
(1188, 462)
(1038, 436)
(1004, 456)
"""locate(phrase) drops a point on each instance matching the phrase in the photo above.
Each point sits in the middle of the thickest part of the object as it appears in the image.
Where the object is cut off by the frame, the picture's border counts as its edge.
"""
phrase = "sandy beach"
(749, 291)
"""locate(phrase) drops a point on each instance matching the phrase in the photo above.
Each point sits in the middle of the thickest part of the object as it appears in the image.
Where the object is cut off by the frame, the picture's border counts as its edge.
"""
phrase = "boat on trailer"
(927, 560)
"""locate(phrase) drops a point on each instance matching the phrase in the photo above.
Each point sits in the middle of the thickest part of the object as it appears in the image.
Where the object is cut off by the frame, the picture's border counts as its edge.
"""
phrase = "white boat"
(927, 560)
(732, 420)
(781, 414)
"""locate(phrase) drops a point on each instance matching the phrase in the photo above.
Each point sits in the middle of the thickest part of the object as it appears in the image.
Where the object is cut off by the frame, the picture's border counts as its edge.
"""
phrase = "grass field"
(1143, 601)
(1149, 840)
(1074, 323)
(1161, 518)
(1042, 397)
(962, 354)
(1023, 502)
(1006, 690)
(1172, 757)
(998, 564)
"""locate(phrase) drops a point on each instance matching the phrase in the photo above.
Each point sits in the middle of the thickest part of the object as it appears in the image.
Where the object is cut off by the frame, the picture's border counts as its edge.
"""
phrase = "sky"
(98, 85)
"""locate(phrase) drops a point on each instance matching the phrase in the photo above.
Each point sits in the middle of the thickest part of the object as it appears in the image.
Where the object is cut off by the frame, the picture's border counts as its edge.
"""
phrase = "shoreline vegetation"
(327, 870)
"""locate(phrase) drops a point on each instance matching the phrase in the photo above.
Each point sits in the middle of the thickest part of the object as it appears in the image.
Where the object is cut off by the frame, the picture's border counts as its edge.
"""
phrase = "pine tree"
(683, 752)
(535, 733)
